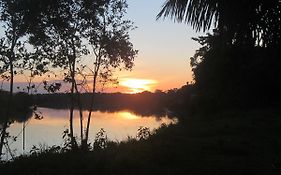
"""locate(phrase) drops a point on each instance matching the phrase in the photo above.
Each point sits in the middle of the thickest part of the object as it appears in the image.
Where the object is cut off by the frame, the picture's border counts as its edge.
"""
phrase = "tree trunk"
(80, 112)
(71, 131)
(3, 136)
(91, 107)
(9, 109)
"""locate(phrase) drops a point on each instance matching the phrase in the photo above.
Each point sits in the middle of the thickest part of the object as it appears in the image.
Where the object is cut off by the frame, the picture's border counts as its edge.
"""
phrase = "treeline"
(144, 103)
(158, 103)
(21, 107)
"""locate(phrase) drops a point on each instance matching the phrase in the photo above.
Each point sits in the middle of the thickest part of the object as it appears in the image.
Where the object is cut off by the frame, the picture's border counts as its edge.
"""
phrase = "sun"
(137, 85)
(128, 116)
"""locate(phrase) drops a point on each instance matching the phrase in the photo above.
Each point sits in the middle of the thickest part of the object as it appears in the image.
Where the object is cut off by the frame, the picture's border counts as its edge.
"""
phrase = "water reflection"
(16, 116)
(118, 126)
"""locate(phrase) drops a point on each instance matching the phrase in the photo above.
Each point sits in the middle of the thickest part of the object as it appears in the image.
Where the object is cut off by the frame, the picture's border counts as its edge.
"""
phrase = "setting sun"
(137, 85)
(128, 116)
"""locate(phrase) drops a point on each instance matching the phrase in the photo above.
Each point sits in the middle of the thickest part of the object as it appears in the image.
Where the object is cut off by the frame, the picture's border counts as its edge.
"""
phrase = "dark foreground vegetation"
(230, 142)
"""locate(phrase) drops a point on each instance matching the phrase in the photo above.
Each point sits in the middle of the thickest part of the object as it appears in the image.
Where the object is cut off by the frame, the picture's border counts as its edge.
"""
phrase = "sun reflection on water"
(118, 126)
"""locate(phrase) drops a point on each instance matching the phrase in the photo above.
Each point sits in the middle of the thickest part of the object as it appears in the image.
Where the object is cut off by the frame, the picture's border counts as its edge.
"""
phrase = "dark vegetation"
(21, 107)
(238, 65)
(230, 142)
(232, 125)
(234, 75)
(159, 103)
(144, 103)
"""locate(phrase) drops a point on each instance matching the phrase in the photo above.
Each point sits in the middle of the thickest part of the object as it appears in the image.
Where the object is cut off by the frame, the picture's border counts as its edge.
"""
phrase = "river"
(49, 130)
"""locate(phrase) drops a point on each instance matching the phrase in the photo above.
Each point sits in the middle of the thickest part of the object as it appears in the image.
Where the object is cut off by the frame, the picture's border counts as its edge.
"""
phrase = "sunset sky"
(164, 51)
(164, 48)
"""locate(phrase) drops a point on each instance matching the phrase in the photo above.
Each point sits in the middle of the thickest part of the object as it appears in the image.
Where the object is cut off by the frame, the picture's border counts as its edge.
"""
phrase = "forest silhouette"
(238, 63)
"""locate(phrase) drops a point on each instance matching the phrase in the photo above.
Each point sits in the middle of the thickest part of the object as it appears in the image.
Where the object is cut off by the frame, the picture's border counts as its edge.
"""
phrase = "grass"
(226, 143)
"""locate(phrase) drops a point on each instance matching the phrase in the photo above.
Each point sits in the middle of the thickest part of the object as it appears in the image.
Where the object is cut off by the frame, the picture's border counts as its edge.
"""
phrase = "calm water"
(48, 131)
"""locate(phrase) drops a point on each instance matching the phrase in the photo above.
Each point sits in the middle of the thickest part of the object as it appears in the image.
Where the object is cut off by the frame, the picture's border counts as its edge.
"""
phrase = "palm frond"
(198, 13)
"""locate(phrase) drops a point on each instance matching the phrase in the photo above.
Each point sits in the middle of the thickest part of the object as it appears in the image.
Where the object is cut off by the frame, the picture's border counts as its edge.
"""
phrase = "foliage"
(12, 49)
(238, 65)
(15, 58)
(111, 48)
(143, 133)
(66, 140)
(66, 31)
(229, 142)
(235, 75)
(257, 23)
(44, 149)
(51, 88)
(101, 140)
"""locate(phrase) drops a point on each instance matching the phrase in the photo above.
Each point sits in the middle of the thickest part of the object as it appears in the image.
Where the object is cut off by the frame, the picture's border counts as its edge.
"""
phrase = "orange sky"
(164, 51)
(164, 48)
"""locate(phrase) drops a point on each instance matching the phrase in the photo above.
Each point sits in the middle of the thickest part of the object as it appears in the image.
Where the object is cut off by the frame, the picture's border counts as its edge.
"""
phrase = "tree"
(255, 21)
(111, 47)
(59, 34)
(66, 31)
(252, 24)
(11, 51)
(242, 51)
(15, 58)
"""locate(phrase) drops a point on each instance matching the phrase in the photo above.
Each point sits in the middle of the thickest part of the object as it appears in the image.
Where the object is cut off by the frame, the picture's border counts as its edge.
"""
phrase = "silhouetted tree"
(111, 47)
(252, 25)
(66, 31)
(59, 31)
(15, 58)
(12, 50)
(230, 67)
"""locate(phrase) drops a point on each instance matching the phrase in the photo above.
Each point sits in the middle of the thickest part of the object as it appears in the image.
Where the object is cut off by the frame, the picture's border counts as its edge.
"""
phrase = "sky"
(164, 48)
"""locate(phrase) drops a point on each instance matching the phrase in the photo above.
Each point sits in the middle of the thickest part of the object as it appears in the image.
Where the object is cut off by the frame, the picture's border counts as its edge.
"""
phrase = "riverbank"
(230, 142)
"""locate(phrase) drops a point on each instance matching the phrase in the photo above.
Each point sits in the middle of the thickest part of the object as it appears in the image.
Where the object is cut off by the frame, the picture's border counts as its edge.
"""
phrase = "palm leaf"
(198, 13)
